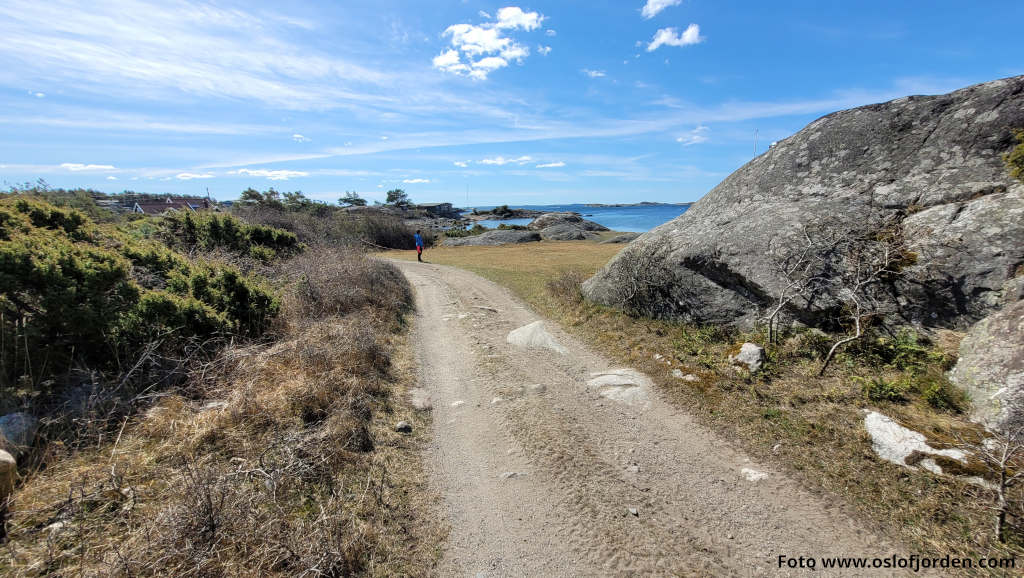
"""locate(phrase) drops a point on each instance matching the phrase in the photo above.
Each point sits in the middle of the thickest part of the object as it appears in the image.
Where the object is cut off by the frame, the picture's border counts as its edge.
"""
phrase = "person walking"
(419, 245)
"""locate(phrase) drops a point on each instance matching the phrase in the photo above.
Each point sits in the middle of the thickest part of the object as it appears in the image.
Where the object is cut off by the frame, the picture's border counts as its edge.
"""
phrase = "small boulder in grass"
(403, 427)
(751, 356)
(8, 475)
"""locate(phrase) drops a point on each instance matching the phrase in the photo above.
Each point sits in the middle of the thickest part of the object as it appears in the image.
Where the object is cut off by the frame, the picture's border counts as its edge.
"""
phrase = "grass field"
(786, 414)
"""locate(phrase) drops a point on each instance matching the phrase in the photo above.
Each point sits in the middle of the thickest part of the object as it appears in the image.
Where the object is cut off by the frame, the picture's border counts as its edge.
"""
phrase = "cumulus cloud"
(695, 136)
(513, 17)
(274, 175)
(415, 181)
(671, 37)
(551, 165)
(478, 50)
(543, 50)
(653, 7)
(190, 176)
(594, 73)
(82, 167)
(499, 161)
(299, 138)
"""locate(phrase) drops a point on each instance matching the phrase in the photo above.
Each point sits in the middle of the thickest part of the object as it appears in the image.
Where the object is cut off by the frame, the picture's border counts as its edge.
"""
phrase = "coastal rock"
(931, 164)
(991, 368)
(566, 232)
(621, 239)
(551, 219)
(17, 432)
(492, 238)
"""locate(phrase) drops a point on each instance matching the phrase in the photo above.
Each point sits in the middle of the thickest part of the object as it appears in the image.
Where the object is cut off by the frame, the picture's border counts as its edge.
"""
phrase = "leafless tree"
(1003, 456)
(866, 258)
(802, 273)
(640, 275)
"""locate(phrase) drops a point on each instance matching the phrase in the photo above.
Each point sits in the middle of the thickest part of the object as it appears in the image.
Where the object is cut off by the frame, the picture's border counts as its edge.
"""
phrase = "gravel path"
(543, 475)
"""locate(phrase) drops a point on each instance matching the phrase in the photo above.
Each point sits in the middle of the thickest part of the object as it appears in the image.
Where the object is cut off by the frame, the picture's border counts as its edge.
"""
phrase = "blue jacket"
(419, 240)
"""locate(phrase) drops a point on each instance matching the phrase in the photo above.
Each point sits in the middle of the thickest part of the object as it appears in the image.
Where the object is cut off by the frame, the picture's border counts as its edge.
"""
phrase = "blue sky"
(528, 103)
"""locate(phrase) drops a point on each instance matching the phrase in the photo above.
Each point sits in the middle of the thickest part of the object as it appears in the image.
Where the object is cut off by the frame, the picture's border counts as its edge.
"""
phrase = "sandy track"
(579, 462)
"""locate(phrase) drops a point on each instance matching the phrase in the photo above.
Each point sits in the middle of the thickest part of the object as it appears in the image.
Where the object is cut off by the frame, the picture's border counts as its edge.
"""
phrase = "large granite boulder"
(552, 219)
(930, 164)
(991, 368)
(499, 237)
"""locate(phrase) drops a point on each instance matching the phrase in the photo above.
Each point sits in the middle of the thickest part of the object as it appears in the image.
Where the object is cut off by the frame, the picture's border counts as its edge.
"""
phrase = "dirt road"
(545, 475)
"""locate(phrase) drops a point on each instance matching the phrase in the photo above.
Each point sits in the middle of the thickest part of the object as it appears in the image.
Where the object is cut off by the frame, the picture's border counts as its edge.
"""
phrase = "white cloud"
(415, 181)
(299, 138)
(37, 94)
(594, 73)
(461, 164)
(550, 33)
(653, 7)
(484, 15)
(543, 50)
(695, 136)
(384, 138)
(513, 17)
(81, 167)
(478, 50)
(500, 161)
(274, 175)
(111, 178)
(190, 176)
(671, 37)
(551, 165)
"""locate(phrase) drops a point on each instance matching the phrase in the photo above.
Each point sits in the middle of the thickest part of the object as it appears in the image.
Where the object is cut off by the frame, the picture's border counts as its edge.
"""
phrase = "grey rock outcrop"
(991, 368)
(932, 164)
(17, 432)
(566, 232)
(492, 238)
(551, 219)
(621, 239)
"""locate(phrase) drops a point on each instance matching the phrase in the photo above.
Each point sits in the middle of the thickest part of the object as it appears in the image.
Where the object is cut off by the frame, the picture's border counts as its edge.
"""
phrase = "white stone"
(420, 399)
(750, 355)
(8, 474)
(628, 386)
(535, 336)
(457, 403)
(894, 443)
(753, 475)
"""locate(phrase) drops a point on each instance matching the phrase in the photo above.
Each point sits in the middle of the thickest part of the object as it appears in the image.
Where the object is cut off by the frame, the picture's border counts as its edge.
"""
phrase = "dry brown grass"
(788, 416)
(279, 459)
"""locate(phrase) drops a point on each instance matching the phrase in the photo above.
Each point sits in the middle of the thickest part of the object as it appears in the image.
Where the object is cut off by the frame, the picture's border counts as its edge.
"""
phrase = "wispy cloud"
(594, 73)
(551, 165)
(653, 7)
(695, 136)
(543, 50)
(299, 138)
(190, 176)
(501, 161)
(273, 175)
(672, 37)
(415, 181)
(77, 167)
(461, 164)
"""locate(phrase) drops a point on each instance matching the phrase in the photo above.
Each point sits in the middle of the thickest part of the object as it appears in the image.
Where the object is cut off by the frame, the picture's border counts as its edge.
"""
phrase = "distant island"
(640, 204)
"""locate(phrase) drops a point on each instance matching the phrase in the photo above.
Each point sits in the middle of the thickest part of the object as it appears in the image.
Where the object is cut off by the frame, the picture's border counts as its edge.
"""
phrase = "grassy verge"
(277, 458)
(786, 415)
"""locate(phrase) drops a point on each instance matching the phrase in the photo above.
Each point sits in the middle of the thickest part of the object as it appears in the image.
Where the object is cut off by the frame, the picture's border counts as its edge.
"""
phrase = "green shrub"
(1015, 158)
(72, 293)
(209, 231)
(935, 389)
(878, 389)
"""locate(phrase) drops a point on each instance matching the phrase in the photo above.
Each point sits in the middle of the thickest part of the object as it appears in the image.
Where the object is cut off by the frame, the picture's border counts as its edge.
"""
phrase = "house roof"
(160, 207)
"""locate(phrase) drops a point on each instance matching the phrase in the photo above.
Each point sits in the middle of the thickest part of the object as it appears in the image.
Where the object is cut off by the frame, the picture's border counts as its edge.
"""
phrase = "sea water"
(636, 218)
